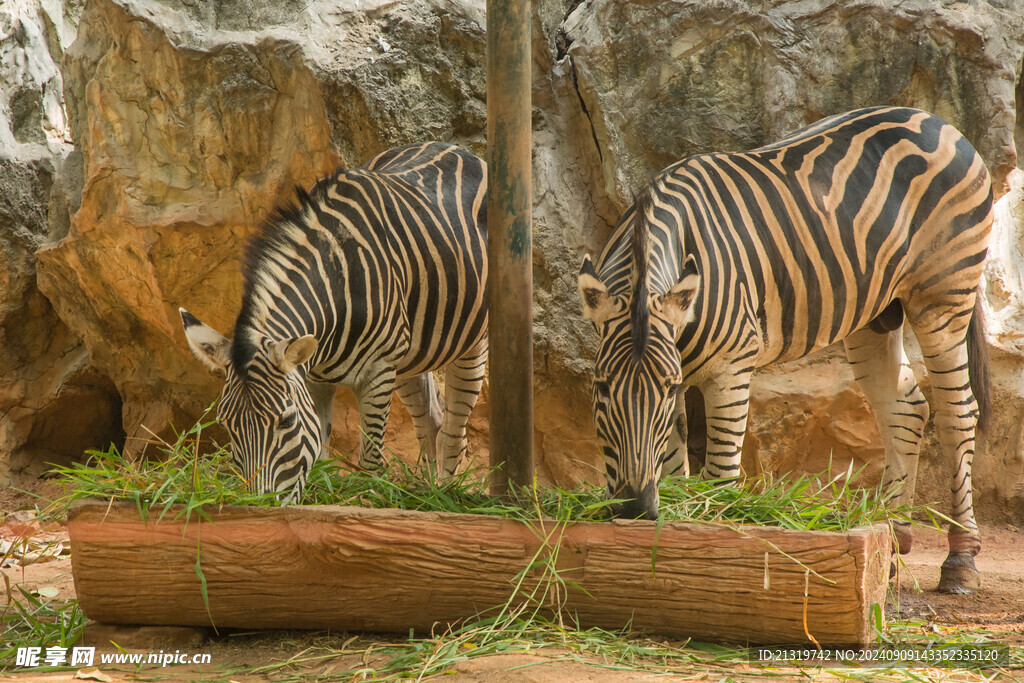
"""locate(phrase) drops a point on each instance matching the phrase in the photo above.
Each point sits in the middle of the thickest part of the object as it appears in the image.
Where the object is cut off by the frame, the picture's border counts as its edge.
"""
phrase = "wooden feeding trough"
(356, 569)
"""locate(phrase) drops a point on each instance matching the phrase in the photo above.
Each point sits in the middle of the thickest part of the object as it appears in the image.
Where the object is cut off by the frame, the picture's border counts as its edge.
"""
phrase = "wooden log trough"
(357, 569)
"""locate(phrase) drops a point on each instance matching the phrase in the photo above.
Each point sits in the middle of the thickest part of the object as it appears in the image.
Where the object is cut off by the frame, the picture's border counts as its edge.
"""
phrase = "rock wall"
(184, 144)
(180, 124)
(53, 402)
(733, 74)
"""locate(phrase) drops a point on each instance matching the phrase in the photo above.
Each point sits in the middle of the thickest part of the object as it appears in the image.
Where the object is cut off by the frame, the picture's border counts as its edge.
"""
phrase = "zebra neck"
(665, 268)
(273, 326)
(665, 274)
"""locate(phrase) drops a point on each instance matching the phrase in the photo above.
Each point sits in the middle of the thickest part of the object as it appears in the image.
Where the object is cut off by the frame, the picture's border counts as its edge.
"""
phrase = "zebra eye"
(287, 420)
(601, 387)
(675, 389)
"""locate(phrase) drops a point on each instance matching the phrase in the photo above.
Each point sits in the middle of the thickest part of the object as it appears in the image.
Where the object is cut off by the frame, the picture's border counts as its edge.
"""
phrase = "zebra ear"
(677, 304)
(597, 302)
(207, 344)
(291, 353)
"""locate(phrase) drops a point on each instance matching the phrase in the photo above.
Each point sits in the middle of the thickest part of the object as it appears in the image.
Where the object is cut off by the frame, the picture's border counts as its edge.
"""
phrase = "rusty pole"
(509, 249)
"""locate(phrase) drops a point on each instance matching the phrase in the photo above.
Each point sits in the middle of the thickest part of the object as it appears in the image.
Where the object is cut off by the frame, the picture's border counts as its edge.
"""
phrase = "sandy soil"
(998, 606)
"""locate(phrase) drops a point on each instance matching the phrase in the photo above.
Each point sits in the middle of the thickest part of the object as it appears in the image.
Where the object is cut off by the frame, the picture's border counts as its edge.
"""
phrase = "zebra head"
(265, 405)
(637, 371)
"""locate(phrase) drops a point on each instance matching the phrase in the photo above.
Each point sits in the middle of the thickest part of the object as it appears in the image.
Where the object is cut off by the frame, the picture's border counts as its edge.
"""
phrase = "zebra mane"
(640, 311)
(269, 239)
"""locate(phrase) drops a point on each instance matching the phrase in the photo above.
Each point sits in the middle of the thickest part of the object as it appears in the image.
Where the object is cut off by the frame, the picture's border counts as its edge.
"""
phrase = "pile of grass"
(182, 476)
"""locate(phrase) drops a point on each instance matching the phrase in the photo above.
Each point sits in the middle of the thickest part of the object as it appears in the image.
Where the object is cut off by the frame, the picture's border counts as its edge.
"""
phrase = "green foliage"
(32, 621)
(185, 477)
(549, 640)
(182, 476)
(801, 502)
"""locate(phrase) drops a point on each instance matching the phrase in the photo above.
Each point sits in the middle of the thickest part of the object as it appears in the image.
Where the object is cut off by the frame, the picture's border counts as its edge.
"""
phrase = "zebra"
(372, 280)
(729, 262)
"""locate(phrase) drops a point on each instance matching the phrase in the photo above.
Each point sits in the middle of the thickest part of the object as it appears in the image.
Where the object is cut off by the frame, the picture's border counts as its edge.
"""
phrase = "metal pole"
(509, 249)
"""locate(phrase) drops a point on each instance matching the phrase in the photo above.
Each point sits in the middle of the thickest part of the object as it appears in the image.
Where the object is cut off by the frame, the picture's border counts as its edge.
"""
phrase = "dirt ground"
(999, 606)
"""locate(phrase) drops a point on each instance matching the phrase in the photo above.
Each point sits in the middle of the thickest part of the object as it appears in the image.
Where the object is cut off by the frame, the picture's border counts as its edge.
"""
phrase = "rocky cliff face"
(186, 122)
(732, 75)
(53, 402)
(174, 171)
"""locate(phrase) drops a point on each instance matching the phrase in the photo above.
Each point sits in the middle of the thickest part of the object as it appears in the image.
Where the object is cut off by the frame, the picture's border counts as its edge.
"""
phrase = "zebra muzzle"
(638, 506)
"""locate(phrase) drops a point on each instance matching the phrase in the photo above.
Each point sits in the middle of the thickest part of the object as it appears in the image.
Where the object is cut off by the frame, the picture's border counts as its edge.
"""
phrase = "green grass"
(636, 654)
(550, 642)
(28, 620)
(182, 476)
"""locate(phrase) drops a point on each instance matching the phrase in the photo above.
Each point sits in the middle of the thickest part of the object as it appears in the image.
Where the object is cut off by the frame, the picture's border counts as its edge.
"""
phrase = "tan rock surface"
(53, 403)
(663, 81)
(184, 149)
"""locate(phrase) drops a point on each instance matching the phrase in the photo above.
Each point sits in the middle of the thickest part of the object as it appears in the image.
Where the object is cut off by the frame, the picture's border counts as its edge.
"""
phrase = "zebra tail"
(977, 364)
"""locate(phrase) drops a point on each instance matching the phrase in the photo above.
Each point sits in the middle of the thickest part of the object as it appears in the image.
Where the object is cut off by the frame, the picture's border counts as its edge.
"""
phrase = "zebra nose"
(642, 506)
(291, 496)
(634, 509)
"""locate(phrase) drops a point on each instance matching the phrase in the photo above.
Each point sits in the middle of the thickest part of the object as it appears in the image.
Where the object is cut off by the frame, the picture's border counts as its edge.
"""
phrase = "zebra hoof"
(959, 575)
(904, 539)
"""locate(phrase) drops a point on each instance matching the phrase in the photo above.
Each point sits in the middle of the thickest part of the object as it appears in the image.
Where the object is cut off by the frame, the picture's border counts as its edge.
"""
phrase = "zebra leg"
(463, 379)
(676, 458)
(726, 401)
(883, 373)
(421, 397)
(374, 397)
(956, 417)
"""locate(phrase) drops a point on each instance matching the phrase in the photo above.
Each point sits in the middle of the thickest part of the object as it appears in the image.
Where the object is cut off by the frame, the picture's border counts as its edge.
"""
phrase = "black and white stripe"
(374, 279)
(837, 232)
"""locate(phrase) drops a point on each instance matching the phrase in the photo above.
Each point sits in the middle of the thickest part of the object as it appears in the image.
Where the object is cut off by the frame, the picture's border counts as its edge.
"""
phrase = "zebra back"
(389, 257)
(811, 237)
